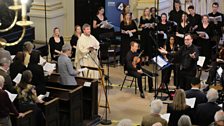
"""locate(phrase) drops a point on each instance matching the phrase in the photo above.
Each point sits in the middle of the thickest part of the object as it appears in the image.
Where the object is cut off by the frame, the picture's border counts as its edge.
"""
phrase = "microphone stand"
(104, 121)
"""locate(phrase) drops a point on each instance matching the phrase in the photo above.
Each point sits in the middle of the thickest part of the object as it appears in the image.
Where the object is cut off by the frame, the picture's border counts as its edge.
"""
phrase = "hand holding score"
(162, 50)
(140, 71)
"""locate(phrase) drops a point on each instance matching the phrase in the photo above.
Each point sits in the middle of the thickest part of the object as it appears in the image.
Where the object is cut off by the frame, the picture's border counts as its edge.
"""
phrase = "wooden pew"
(89, 97)
(27, 120)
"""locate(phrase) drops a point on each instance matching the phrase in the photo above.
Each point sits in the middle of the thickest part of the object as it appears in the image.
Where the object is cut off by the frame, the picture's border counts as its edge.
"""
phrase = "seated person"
(178, 107)
(27, 97)
(6, 106)
(135, 70)
(65, 67)
(154, 116)
(205, 112)
(218, 61)
(184, 121)
(27, 49)
(219, 119)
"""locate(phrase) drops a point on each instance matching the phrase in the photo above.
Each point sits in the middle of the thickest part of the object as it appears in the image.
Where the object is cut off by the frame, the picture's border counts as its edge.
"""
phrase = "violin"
(137, 59)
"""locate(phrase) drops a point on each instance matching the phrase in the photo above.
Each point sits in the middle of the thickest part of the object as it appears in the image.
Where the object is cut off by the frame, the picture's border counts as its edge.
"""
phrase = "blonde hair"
(125, 21)
(143, 15)
(179, 102)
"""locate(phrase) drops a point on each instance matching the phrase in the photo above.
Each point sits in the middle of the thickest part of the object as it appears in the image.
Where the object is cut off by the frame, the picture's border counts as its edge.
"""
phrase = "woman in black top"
(56, 42)
(38, 73)
(18, 65)
(74, 39)
(128, 31)
(163, 29)
(147, 25)
(182, 29)
(204, 40)
(100, 24)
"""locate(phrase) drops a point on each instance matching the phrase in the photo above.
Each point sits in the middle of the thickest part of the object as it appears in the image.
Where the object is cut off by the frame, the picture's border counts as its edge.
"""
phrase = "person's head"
(157, 124)
(28, 47)
(215, 7)
(191, 9)
(2, 42)
(67, 49)
(184, 17)
(78, 29)
(205, 19)
(179, 102)
(196, 83)
(25, 79)
(126, 9)
(146, 12)
(2, 81)
(34, 57)
(86, 29)
(156, 106)
(177, 5)
(20, 56)
(127, 17)
(184, 120)
(100, 11)
(172, 40)
(56, 31)
(134, 46)
(5, 63)
(219, 118)
(188, 40)
(212, 95)
(163, 17)
(153, 10)
(125, 122)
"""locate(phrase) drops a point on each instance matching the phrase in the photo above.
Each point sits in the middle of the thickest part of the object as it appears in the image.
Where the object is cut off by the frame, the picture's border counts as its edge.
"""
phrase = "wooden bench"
(27, 120)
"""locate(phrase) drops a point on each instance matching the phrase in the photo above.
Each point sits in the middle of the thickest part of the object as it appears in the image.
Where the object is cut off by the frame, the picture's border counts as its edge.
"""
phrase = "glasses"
(187, 39)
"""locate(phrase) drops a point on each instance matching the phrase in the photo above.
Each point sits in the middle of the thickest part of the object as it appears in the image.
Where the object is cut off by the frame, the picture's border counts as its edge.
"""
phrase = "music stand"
(162, 64)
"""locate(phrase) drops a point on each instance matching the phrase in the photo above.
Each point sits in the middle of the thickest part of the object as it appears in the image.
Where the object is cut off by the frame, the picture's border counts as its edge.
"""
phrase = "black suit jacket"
(205, 113)
(8, 82)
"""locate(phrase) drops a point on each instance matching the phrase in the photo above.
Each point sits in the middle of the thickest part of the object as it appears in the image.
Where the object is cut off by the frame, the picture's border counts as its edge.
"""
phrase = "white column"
(60, 13)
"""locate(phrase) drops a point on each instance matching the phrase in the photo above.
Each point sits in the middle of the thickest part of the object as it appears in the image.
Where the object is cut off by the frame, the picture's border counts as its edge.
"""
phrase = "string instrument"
(137, 59)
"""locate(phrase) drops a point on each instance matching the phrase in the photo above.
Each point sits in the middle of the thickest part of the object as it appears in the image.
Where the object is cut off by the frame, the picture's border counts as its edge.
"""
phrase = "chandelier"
(23, 23)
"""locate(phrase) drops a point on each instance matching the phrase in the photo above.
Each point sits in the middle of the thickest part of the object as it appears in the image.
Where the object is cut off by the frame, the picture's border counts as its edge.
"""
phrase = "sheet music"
(87, 84)
(49, 67)
(41, 96)
(219, 71)
(13, 56)
(130, 34)
(165, 116)
(83, 69)
(202, 32)
(12, 97)
(190, 102)
(160, 61)
(42, 61)
(220, 105)
(180, 35)
(201, 60)
(17, 78)
(216, 19)
(106, 24)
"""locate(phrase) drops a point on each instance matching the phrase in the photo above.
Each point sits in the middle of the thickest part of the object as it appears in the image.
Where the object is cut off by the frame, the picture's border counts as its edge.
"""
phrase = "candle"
(23, 2)
(15, 2)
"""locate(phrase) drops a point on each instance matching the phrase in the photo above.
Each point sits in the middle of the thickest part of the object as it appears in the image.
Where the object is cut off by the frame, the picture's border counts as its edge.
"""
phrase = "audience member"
(219, 119)
(205, 112)
(125, 122)
(4, 67)
(3, 52)
(56, 42)
(28, 99)
(65, 67)
(157, 124)
(6, 106)
(17, 66)
(184, 121)
(178, 107)
(38, 78)
(154, 116)
(27, 49)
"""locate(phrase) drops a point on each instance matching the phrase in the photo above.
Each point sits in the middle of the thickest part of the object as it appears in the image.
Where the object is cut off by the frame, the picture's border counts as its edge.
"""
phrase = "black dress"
(165, 29)
(126, 39)
(55, 46)
(15, 68)
(73, 42)
(205, 45)
(146, 40)
(176, 16)
(219, 24)
(182, 30)
(194, 20)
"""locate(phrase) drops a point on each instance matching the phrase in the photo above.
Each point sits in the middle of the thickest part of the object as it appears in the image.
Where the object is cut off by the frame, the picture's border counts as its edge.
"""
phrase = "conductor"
(187, 58)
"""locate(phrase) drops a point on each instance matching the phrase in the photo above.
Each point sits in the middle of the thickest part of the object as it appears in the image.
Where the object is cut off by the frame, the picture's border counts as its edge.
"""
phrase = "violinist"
(133, 67)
